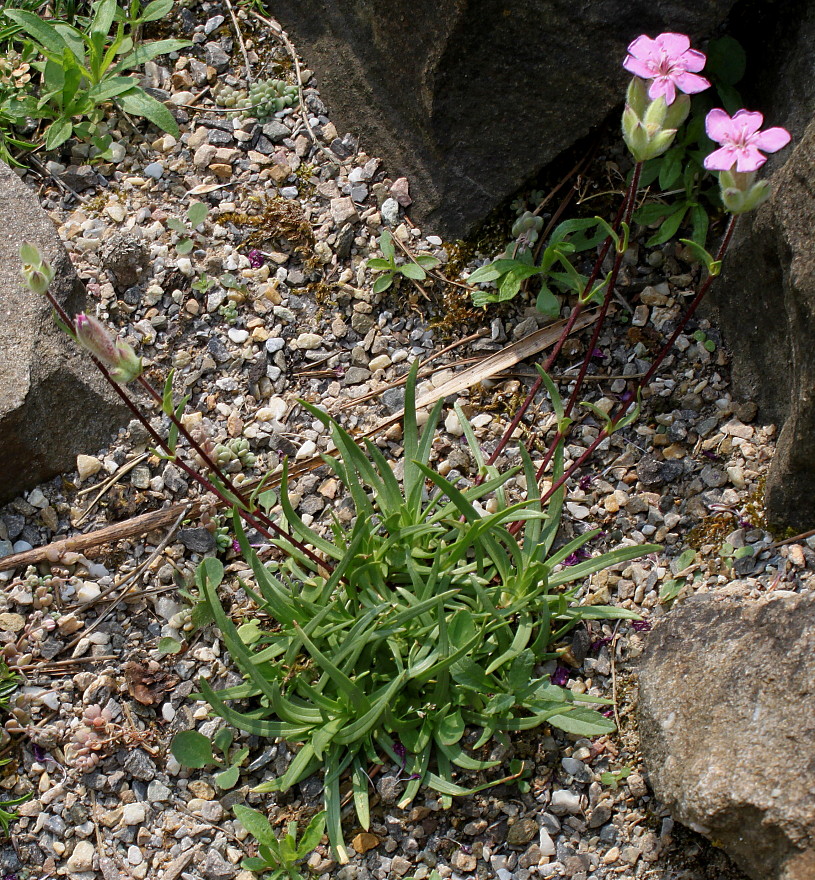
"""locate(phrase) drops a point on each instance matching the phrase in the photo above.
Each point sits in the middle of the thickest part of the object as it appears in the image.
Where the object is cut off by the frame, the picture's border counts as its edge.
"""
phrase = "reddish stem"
(628, 202)
(266, 528)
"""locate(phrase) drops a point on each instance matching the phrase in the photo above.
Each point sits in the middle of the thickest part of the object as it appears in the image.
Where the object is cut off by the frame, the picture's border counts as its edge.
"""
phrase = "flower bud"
(740, 193)
(115, 354)
(648, 126)
(37, 272)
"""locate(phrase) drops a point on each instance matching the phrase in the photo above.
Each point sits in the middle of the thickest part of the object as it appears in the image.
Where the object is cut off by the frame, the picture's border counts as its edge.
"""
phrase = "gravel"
(307, 324)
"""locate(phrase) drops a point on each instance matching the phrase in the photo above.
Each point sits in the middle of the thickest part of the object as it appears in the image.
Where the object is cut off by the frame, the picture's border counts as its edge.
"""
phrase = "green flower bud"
(121, 361)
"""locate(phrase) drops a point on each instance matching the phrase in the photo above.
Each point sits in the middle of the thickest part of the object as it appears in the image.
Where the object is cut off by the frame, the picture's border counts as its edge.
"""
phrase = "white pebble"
(134, 814)
(307, 450)
(87, 591)
(237, 336)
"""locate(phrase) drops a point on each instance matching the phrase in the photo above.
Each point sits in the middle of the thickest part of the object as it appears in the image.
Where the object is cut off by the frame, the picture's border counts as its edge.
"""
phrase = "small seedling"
(389, 269)
(203, 284)
(522, 770)
(278, 855)
(673, 587)
(700, 337)
(193, 749)
(196, 214)
(613, 778)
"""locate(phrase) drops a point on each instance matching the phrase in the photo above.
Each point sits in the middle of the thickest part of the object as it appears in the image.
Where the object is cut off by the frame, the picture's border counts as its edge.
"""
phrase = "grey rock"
(734, 763)
(765, 302)
(215, 56)
(389, 788)
(522, 832)
(39, 365)
(140, 765)
(276, 131)
(218, 138)
(126, 258)
(444, 114)
(215, 867)
(345, 240)
(197, 540)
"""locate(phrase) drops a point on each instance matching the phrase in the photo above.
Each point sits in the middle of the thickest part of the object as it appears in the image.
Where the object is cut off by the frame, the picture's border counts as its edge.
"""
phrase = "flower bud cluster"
(650, 126)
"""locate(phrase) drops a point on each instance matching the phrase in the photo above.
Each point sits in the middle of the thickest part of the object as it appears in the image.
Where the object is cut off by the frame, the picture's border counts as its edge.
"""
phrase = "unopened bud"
(37, 272)
(741, 193)
(649, 127)
(120, 359)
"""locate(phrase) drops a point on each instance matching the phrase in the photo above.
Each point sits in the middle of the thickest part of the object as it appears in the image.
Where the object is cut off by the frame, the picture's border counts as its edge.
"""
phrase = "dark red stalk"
(250, 520)
(625, 210)
(631, 396)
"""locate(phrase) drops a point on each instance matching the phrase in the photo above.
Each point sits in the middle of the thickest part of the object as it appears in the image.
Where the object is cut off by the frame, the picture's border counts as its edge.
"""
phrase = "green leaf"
(57, 133)
(223, 740)
(43, 32)
(184, 246)
(149, 51)
(547, 303)
(411, 270)
(382, 283)
(156, 10)
(192, 749)
(227, 778)
(386, 245)
(139, 103)
(671, 167)
(427, 261)
(197, 213)
(110, 88)
(485, 274)
(312, 835)
(583, 722)
(726, 60)
(379, 264)
(257, 825)
(671, 589)
(168, 645)
(669, 227)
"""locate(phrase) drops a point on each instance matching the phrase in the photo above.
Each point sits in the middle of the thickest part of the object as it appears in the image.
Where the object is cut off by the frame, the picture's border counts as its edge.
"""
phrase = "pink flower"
(670, 64)
(741, 140)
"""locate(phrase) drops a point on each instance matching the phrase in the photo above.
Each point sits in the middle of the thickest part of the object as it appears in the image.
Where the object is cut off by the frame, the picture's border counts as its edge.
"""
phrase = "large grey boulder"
(470, 98)
(53, 404)
(727, 725)
(765, 297)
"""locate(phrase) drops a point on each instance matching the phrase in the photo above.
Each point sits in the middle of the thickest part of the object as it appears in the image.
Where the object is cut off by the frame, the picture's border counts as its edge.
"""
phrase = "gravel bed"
(298, 319)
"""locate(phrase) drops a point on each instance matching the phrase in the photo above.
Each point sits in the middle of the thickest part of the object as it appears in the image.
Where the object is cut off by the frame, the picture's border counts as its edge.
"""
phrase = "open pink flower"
(669, 62)
(741, 140)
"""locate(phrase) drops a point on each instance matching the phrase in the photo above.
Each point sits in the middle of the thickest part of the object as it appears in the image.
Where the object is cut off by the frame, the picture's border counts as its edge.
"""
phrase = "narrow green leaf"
(256, 824)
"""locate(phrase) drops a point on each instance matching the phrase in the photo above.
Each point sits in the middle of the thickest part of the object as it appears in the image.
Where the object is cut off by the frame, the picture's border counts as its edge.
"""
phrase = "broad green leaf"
(139, 103)
(547, 303)
(382, 283)
(156, 10)
(57, 133)
(583, 722)
(257, 825)
(312, 835)
(227, 778)
(411, 270)
(197, 213)
(223, 739)
(42, 31)
(379, 263)
(168, 645)
(149, 51)
(670, 226)
(192, 749)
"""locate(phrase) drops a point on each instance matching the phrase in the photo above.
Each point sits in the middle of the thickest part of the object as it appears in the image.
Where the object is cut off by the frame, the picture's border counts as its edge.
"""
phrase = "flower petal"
(722, 159)
(748, 121)
(690, 83)
(719, 128)
(749, 159)
(638, 67)
(673, 44)
(662, 87)
(773, 139)
(641, 48)
(693, 60)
